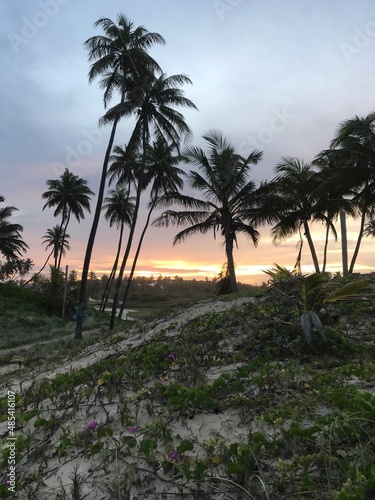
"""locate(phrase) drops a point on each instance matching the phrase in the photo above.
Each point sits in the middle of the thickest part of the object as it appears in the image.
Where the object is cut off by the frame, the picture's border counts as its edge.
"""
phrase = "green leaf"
(185, 446)
(96, 448)
(26, 416)
(40, 422)
(148, 445)
(235, 468)
(129, 440)
(351, 290)
(200, 469)
(186, 471)
(258, 437)
(104, 431)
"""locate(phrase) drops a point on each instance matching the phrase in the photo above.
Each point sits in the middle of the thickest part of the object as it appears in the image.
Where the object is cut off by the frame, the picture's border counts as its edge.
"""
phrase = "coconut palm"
(58, 241)
(69, 195)
(354, 149)
(166, 178)
(156, 114)
(12, 245)
(228, 197)
(299, 202)
(333, 196)
(119, 55)
(119, 209)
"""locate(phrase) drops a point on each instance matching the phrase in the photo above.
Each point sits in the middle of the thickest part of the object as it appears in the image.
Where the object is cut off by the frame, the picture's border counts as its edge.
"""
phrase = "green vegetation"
(218, 399)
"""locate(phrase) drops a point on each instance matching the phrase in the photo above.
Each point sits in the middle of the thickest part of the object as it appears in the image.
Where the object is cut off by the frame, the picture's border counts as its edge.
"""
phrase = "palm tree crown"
(118, 207)
(155, 111)
(12, 245)
(121, 53)
(56, 239)
(68, 195)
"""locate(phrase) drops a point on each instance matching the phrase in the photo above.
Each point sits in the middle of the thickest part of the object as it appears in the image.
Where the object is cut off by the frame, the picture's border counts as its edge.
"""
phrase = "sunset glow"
(272, 77)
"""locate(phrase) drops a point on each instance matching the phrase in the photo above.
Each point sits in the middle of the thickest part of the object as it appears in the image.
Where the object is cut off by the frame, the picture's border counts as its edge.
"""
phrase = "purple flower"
(172, 355)
(133, 429)
(6, 482)
(91, 427)
(175, 455)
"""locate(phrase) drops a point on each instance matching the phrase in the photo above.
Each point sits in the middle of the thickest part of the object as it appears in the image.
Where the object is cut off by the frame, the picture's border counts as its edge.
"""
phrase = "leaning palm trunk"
(359, 240)
(134, 265)
(107, 291)
(131, 232)
(58, 264)
(112, 276)
(94, 227)
(311, 246)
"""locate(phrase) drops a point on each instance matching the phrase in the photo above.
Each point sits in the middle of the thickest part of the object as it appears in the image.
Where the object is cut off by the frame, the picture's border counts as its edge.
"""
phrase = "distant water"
(124, 314)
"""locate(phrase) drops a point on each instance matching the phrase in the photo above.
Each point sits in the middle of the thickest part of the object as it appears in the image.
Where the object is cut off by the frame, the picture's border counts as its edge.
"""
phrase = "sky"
(271, 75)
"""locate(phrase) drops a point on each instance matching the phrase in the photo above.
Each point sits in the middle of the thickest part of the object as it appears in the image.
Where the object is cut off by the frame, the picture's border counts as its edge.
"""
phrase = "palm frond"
(349, 291)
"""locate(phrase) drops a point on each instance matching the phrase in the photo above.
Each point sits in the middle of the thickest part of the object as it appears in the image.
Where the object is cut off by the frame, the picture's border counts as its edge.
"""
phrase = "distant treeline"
(153, 290)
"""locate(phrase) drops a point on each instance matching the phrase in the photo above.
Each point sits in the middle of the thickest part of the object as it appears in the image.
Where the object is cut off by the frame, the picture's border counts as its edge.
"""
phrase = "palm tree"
(12, 245)
(69, 195)
(333, 202)
(229, 197)
(119, 209)
(299, 202)
(354, 148)
(166, 179)
(56, 239)
(120, 55)
(58, 242)
(156, 114)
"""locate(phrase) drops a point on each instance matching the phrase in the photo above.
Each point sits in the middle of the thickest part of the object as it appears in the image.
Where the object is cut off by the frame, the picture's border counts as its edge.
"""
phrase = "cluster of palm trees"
(68, 195)
(221, 198)
(121, 61)
(339, 181)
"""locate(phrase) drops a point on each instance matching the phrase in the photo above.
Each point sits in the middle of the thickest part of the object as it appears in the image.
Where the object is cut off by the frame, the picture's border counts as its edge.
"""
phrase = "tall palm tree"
(297, 188)
(119, 209)
(120, 54)
(156, 114)
(229, 197)
(166, 178)
(333, 196)
(69, 195)
(12, 245)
